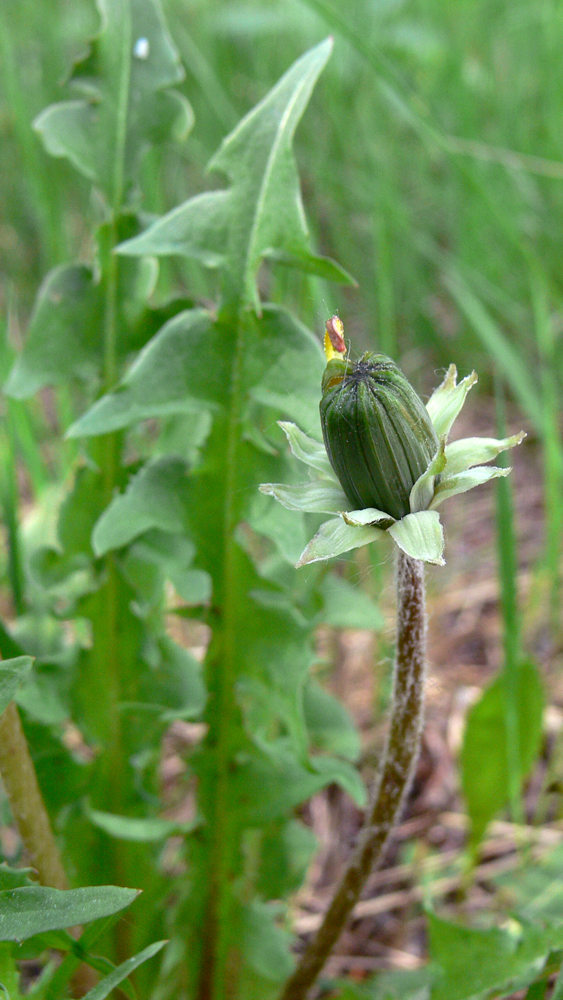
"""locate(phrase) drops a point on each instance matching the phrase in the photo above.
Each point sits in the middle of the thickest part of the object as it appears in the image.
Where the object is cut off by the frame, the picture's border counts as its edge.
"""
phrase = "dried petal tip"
(377, 432)
(334, 338)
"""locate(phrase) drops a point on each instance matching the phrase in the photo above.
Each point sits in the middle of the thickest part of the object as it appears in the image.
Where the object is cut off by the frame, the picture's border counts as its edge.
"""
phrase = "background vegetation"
(431, 171)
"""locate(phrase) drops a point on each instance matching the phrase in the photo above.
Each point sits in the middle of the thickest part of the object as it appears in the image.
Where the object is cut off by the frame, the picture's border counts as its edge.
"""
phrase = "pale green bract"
(454, 469)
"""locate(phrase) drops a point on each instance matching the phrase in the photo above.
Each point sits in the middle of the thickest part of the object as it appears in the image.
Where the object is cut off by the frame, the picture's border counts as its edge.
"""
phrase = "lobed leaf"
(13, 672)
(346, 605)
(261, 215)
(153, 499)
(64, 335)
(484, 755)
(185, 365)
(188, 364)
(125, 104)
(197, 229)
(472, 964)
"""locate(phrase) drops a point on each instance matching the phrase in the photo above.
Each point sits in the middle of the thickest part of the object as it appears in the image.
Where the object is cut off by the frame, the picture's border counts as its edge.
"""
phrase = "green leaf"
(12, 673)
(283, 365)
(287, 850)
(185, 365)
(534, 890)
(323, 267)
(262, 214)
(197, 229)
(36, 909)
(154, 498)
(65, 337)
(399, 984)
(341, 772)
(348, 606)
(15, 878)
(125, 104)
(286, 529)
(65, 333)
(141, 830)
(267, 212)
(270, 785)
(472, 964)
(42, 695)
(158, 554)
(79, 513)
(176, 683)
(329, 723)
(266, 945)
(484, 760)
(9, 974)
(188, 364)
(103, 989)
(421, 536)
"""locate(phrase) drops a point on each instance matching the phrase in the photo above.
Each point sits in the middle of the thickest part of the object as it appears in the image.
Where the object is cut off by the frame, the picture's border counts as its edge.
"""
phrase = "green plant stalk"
(395, 776)
(113, 770)
(114, 749)
(511, 624)
(220, 965)
(10, 507)
(552, 445)
(26, 802)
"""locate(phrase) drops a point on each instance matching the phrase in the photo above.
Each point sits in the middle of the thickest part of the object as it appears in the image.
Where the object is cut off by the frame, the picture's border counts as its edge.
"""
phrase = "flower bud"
(377, 432)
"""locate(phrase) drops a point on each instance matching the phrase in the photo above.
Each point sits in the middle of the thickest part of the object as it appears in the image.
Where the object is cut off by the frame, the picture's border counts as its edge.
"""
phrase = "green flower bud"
(377, 432)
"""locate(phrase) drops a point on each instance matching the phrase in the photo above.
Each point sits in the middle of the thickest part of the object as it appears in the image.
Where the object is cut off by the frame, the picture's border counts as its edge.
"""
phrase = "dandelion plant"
(382, 447)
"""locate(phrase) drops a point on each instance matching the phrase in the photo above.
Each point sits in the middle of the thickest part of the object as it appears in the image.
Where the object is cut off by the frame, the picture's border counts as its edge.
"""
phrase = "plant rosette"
(380, 435)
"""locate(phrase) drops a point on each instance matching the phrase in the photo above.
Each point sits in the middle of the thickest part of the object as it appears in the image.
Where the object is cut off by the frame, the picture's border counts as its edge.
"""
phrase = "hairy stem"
(394, 777)
(26, 801)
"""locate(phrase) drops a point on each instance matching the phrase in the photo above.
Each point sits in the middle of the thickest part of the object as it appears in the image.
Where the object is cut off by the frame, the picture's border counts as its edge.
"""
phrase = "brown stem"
(394, 777)
(26, 801)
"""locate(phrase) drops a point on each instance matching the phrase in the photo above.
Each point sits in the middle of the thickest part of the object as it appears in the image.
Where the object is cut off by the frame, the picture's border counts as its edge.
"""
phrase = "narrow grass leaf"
(108, 983)
(513, 366)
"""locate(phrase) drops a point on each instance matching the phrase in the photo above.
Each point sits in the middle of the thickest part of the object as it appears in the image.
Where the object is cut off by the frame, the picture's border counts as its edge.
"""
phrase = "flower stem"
(394, 777)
